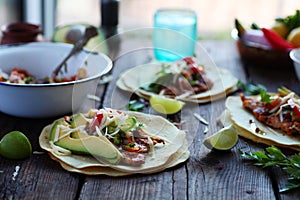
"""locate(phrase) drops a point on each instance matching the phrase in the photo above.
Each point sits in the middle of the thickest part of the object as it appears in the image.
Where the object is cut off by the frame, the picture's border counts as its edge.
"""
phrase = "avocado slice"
(79, 120)
(78, 135)
(53, 130)
(92, 145)
(98, 146)
(96, 44)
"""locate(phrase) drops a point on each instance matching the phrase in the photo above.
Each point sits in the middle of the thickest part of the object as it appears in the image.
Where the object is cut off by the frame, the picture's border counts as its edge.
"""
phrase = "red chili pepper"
(21, 71)
(99, 117)
(273, 104)
(296, 110)
(196, 70)
(189, 60)
(276, 40)
(96, 121)
(119, 112)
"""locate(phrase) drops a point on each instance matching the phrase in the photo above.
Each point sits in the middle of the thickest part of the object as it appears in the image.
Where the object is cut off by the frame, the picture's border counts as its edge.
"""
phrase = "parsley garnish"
(131, 145)
(251, 89)
(265, 97)
(274, 157)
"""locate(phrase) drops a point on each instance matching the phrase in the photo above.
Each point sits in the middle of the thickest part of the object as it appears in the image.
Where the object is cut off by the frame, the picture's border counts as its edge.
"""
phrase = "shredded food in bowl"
(21, 76)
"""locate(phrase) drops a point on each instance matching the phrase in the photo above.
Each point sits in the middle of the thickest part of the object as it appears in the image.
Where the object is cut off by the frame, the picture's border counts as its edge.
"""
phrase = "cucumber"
(128, 124)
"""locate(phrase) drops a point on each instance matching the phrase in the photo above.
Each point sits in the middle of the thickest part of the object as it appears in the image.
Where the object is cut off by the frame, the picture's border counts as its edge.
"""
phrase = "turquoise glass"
(175, 34)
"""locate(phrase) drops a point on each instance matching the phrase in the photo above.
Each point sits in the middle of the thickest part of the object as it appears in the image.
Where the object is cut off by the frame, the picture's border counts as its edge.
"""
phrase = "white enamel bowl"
(295, 56)
(48, 100)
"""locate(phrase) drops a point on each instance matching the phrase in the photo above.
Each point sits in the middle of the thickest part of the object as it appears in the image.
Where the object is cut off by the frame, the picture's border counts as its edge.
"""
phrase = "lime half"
(15, 145)
(224, 139)
(165, 105)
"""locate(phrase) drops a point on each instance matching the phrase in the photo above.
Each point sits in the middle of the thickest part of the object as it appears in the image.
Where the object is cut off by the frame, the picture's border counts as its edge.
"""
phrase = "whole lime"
(15, 145)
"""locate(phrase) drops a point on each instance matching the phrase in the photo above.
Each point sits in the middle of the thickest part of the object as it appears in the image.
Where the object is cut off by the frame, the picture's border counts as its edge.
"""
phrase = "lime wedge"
(165, 105)
(15, 145)
(224, 139)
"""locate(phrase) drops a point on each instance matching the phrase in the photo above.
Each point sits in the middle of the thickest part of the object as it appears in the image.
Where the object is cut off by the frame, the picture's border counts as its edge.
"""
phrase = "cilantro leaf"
(251, 89)
(265, 97)
(290, 185)
(274, 156)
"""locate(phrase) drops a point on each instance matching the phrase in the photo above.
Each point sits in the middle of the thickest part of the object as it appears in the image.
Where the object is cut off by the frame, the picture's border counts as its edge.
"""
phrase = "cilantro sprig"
(254, 89)
(251, 89)
(265, 97)
(274, 157)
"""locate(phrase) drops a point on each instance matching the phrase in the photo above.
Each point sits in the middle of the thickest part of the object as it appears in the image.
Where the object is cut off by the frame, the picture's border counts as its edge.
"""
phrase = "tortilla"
(170, 154)
(223, 82)
(181, 156)
(240, 118)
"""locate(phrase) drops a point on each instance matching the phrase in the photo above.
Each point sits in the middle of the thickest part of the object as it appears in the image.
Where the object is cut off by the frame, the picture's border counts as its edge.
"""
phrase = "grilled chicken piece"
(261, 111)
(133, 158)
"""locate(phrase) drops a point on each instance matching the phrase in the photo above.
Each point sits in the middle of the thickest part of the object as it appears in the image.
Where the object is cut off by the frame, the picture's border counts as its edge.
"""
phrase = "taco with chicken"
(183, 79)
(124, 141)
(272, 119)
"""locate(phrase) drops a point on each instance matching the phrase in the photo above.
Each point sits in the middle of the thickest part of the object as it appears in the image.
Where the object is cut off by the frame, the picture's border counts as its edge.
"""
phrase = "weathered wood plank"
(37, 177)
(223, 175)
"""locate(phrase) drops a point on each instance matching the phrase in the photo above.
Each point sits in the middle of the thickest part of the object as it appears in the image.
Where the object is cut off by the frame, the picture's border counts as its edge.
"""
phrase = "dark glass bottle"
(109, 17)
(109, 25)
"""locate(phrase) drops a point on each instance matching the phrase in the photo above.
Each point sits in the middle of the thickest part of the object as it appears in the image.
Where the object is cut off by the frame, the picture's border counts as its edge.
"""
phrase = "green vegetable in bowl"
(291, 21)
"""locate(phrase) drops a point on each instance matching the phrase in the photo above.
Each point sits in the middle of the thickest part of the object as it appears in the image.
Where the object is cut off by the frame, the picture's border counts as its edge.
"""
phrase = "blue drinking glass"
(175, 34)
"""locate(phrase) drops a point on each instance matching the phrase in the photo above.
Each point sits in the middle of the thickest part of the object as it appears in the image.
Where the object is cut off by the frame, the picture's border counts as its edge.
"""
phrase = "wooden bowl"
(262, 57)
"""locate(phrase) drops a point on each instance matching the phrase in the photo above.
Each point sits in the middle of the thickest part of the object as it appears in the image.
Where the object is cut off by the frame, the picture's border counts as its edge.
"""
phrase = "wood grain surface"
(206, 175)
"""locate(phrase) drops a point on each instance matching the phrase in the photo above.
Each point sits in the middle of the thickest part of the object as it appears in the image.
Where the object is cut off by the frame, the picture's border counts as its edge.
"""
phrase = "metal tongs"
(88, 34)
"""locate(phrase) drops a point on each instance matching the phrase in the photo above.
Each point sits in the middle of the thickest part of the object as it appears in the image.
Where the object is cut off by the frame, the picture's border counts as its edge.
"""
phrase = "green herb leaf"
(291, 21)
(273, 156)
(290, 185)
(265, 97)
(251, 89)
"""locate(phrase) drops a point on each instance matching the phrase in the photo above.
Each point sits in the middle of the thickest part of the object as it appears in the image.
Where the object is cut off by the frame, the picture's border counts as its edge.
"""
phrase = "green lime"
(15, 145)
(165, 105)
(224, 139)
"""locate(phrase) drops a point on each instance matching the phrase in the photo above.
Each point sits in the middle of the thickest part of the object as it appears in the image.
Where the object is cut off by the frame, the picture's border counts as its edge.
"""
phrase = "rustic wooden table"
(206, 175)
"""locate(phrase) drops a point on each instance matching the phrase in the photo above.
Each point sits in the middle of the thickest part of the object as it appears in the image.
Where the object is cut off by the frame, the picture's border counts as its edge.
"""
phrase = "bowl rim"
(105, 71)
(293, 57)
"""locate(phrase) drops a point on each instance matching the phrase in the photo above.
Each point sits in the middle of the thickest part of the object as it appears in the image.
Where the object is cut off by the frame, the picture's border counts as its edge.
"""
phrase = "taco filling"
(122, 137)
(183, 77)
(280, 111)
